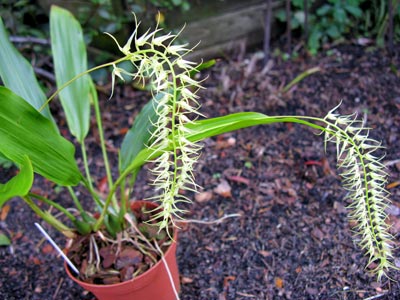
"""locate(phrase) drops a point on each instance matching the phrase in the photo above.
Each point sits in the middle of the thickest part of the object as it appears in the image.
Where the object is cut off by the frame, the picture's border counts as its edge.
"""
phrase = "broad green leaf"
(69, 55)
(324, 10)
(206, 128)
(20, 184)
(24, 131)
(139, 134)
(333, 32)
(17, 74)
(354, 10)
(340, 15)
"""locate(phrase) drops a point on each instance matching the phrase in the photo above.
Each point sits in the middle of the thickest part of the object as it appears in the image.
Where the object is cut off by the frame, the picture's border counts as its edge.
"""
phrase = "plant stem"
(123, 198)
(53, 204)
(92, 193)
(47, 217)
(88, 182)
(103, 145)
(79, 76)
(111, 193)
(113, 187)
(76, 200)
(86, 166)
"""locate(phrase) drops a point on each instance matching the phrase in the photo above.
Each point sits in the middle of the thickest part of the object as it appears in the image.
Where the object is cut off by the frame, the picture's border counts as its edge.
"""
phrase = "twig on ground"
(29, 39)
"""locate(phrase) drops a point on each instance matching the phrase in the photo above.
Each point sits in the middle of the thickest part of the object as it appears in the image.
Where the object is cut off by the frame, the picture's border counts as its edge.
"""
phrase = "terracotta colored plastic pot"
(154, 284)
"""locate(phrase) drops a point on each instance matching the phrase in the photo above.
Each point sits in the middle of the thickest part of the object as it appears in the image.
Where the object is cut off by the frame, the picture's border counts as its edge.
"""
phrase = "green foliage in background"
(24, 18)
(28, 24)
(29, 18)
(167, 133)
(334, 20)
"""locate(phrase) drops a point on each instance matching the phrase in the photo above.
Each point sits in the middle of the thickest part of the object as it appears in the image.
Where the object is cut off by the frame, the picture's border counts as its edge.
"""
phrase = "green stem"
(123, 197)
(133, 180)
(47, 217)
(53, 204)
(174, 134)
(88, 182)
(79, 76)
(103, 146)
(76, 200)
(111, 193)
(92, 192)
(86, 166)
(122, 177)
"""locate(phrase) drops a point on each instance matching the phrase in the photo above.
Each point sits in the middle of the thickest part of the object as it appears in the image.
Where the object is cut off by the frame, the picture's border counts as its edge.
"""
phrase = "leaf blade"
(18, 75)
(206, 128)
(139, 134)
(24, 131)
(70, 59)
(20, 184)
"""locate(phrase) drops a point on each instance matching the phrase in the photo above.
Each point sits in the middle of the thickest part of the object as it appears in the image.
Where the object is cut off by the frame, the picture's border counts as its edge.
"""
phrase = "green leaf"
(313, 42)
(281, 15)
(20, 184)
(69, 54)
(210, 127)
(139, 134)
(333, 32)
(206, 128)
(112, 224)
(4, 240)
(17, 74)
(5, 162)
(203, 66)
(82, 227)
(340, 15)
(324, 10)
(24, 131)
(354, 10)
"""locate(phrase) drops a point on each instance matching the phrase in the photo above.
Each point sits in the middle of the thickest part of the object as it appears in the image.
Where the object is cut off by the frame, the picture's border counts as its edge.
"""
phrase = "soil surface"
(288, 237)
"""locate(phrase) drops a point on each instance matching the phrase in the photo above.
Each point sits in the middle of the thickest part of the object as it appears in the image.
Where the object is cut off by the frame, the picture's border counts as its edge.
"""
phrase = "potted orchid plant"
(165, 134)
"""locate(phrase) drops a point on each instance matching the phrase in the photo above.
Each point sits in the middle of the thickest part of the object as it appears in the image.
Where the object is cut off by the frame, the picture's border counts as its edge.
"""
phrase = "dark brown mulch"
(292, 240)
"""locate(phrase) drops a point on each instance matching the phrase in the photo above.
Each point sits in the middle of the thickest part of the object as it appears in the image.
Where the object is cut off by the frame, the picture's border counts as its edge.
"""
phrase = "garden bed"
(292, 239)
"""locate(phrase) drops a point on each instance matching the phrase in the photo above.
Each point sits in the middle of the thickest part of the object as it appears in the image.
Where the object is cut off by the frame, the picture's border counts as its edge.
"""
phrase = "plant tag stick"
(50, 240)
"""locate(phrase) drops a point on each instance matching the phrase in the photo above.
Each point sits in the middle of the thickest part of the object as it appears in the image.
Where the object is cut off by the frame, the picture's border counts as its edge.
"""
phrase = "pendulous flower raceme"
(155, 58)
(364, 177)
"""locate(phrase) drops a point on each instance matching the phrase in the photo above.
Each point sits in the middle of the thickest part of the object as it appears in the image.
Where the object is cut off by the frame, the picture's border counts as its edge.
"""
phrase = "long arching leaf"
(206, 128)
